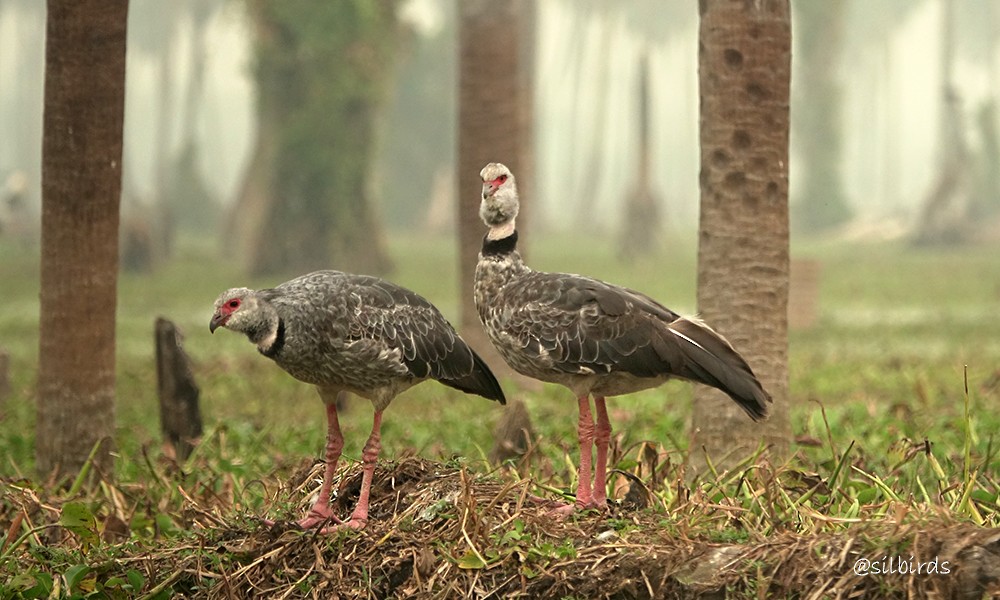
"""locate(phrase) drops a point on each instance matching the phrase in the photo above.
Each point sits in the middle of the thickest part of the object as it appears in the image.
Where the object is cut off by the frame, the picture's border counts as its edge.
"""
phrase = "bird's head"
(233, 309)
(500, 202)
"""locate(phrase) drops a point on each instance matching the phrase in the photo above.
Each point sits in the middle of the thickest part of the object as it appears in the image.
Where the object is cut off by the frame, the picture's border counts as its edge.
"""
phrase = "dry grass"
(441, 531)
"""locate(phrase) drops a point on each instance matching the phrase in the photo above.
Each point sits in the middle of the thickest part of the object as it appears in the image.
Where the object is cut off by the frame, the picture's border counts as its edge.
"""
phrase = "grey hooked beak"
(218, 320)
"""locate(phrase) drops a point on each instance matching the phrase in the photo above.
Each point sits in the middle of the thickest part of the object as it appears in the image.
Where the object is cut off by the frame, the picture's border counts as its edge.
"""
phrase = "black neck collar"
(279, 341)
(504, 245)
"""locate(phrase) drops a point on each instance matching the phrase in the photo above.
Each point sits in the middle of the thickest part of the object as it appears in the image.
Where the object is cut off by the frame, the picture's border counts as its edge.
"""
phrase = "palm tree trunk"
(491, 128)
(744, 72)
(81, 190)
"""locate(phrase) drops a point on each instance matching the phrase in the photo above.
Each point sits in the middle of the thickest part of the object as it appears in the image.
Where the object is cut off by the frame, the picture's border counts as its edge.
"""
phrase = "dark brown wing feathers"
(585, 325)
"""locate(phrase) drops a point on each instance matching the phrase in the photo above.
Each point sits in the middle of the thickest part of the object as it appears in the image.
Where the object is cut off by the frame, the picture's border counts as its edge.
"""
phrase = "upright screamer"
(595, 338)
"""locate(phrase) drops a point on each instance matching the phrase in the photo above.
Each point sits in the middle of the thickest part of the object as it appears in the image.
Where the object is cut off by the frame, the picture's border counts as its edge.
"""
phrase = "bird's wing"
(399, 319)
(580, 325)
(577, 324)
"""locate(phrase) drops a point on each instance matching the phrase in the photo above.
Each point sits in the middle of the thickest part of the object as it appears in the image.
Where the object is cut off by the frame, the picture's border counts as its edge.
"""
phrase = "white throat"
(501, 231)
(265, 344)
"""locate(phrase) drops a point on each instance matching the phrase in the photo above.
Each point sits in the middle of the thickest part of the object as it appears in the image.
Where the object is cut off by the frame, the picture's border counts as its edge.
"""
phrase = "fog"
(586, 63)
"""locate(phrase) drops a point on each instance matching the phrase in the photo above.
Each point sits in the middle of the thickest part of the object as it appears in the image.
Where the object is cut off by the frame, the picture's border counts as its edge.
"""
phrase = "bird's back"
(365, 333)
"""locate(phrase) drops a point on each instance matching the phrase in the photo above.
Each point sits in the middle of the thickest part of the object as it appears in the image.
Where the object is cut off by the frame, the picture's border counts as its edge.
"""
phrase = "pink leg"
(368, 457)
(601, 438)
(320, 511)
(585, 436)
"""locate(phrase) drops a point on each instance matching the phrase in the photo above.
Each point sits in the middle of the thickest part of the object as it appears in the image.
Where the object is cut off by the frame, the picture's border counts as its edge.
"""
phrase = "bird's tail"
(480, 381)
(711, 359)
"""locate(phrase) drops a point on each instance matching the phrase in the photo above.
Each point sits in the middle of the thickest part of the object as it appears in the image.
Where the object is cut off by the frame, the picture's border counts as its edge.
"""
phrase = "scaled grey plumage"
(590, 336)
(356, 333)
(353, 333)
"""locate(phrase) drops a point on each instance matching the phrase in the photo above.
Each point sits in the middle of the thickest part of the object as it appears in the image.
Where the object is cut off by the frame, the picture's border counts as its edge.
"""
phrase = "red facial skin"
(490, 187)
(222, 315)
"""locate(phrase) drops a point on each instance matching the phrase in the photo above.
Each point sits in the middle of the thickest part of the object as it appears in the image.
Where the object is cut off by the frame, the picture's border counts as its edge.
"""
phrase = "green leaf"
(867, 495)
(29, 585)
(471, 561)
(165, 524)
(135, 579)
(983, 496)
(75, 577)
(79, 519)
(24, 581)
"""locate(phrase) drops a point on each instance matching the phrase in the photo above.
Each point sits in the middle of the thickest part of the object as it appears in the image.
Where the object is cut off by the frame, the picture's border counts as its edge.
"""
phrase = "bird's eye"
(234, 303)
(502, 178)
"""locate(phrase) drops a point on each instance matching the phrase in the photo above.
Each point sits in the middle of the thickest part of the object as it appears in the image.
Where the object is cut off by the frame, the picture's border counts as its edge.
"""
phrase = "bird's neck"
(268, 332)
(272, 344)
(499, 232)
(500, 240)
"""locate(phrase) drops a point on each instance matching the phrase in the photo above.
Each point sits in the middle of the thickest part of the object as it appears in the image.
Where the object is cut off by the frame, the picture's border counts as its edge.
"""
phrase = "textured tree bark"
(81, 190)
(744, 70)
(491, 128)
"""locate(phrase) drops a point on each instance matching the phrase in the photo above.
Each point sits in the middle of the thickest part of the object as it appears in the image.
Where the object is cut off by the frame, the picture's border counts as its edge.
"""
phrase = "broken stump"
(180, 416)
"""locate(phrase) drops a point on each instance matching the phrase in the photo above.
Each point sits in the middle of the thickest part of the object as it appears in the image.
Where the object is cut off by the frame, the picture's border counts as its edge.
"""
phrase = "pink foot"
(353, 524)
(562, 509)
(318, 516)
(314, 518)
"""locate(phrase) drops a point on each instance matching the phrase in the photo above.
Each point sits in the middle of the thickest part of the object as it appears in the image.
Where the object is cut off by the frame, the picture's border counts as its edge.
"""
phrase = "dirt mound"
(439, 531)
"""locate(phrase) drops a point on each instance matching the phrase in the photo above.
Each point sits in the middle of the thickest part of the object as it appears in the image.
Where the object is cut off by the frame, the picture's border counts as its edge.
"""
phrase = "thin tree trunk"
(823, 203)
(491, 128)
(81, 189)
(641, 228)
(944, 218)
(744, 65)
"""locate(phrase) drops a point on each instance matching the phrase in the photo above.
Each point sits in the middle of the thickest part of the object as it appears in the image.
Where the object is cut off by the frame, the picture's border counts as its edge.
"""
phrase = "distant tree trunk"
(162, 224)
(744, 64)
(640, 234)
(322, 72)
(946, 208)
(598, 77)
(491, 128)
(188, 194)
(81, 189)
(818, 126)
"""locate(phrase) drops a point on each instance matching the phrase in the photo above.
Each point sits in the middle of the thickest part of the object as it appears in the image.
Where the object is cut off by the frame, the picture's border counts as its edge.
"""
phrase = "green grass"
(897, 326)
(879, 407)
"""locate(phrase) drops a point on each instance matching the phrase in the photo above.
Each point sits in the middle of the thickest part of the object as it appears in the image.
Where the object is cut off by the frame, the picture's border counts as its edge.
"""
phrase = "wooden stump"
(180, 417)
(514, 435)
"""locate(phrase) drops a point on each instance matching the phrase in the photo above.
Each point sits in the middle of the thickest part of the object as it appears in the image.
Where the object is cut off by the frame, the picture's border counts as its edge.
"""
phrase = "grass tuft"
(890, 392)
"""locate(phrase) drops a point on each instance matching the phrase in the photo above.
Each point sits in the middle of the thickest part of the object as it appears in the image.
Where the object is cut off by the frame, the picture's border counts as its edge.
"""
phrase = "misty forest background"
(894, 122)
(272, 138)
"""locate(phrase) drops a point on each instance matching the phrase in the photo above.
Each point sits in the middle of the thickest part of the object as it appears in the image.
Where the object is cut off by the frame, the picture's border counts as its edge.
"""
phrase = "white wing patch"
(686, 338)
